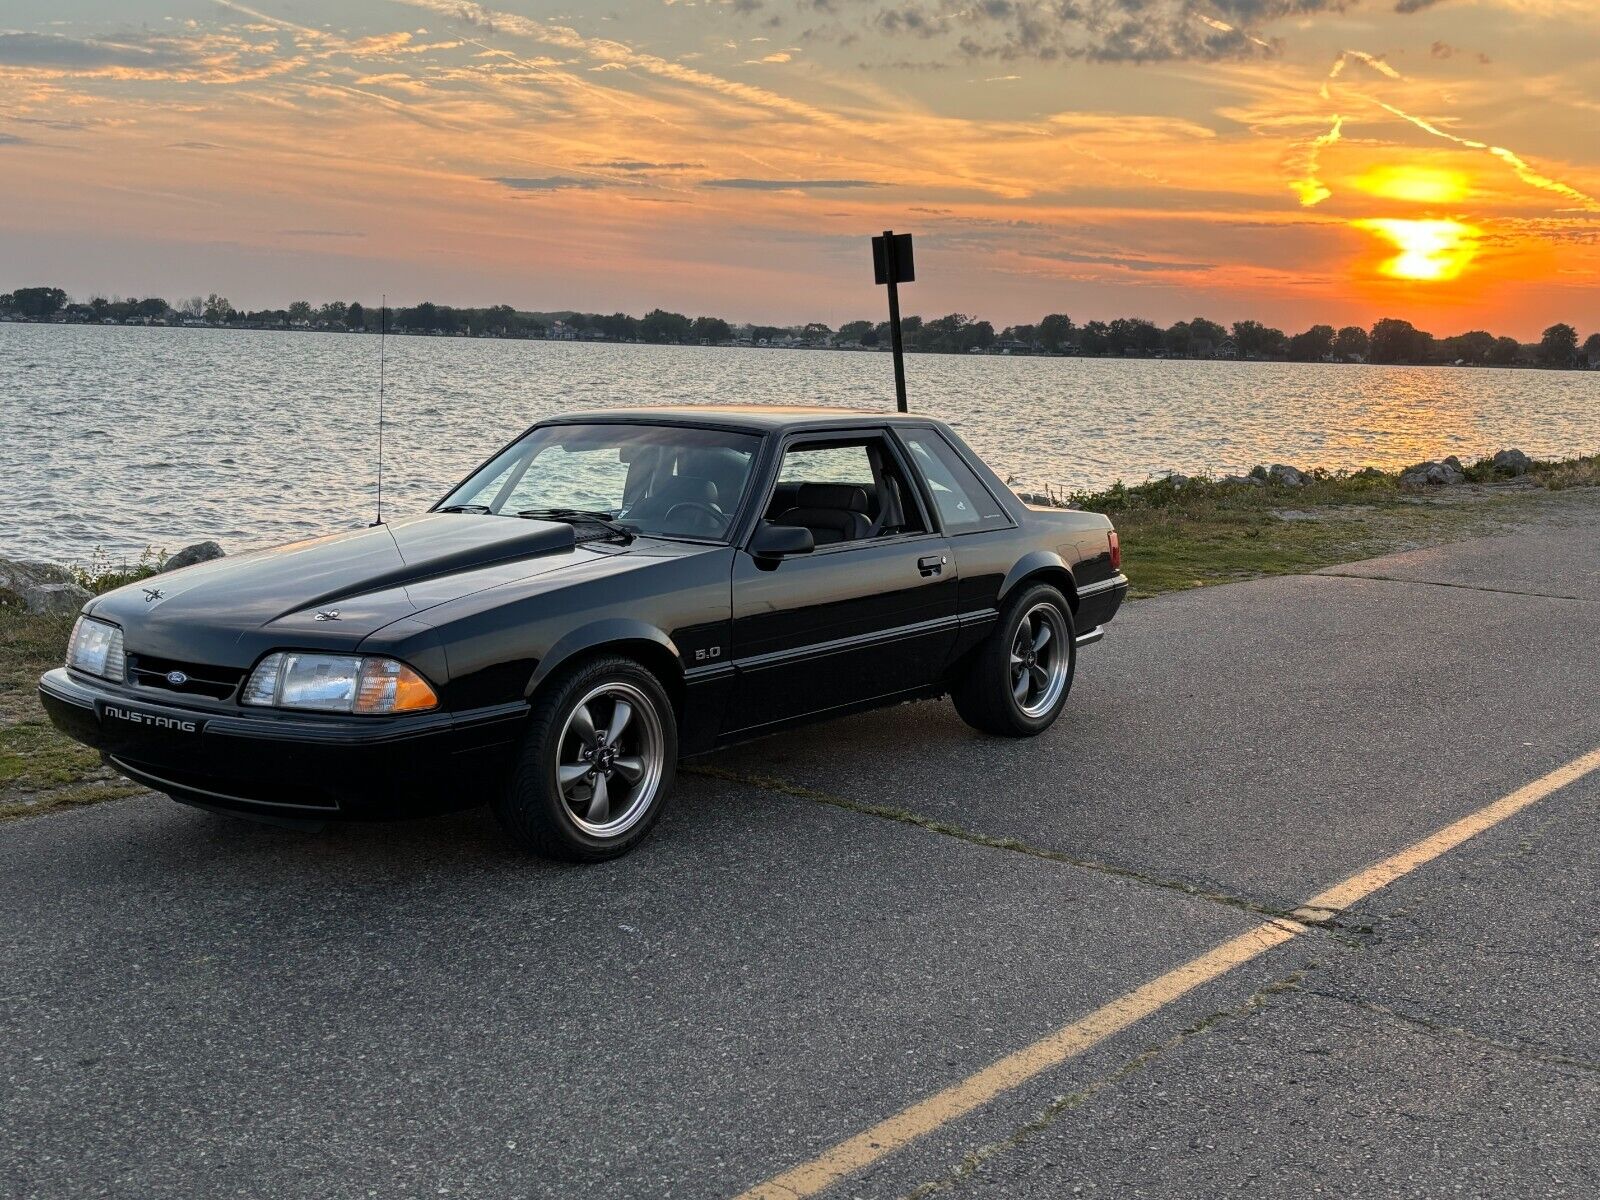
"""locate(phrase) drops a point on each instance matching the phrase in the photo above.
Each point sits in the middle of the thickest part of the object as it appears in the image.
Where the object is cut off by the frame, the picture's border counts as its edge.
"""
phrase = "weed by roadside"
(101, 573)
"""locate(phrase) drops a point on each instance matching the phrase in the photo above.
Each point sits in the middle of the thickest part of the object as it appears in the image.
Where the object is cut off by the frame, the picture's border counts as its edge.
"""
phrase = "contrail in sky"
(1312, 191)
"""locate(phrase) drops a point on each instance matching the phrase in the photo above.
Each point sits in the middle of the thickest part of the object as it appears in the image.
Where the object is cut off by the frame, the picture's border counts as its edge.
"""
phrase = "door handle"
(932, 564)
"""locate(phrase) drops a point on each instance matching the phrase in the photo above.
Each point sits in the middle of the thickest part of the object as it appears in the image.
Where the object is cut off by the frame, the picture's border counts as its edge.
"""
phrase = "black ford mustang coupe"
(610, 591)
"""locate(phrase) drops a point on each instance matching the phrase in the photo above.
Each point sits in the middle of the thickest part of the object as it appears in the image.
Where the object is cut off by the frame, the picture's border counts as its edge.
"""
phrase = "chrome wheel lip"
(1040, 660)
(638, 747)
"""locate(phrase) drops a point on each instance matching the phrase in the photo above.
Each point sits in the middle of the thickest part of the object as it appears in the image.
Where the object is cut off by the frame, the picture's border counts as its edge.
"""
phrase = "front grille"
(201, 679)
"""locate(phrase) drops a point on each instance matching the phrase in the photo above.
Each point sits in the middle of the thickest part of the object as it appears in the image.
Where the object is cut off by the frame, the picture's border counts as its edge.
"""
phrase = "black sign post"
(892, 264)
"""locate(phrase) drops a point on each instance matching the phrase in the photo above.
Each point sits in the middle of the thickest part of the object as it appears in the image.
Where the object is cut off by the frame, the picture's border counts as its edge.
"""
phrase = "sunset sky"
(1289, 160)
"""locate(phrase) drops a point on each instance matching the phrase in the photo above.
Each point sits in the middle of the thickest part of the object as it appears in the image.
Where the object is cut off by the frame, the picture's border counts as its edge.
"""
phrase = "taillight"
(1116, 551)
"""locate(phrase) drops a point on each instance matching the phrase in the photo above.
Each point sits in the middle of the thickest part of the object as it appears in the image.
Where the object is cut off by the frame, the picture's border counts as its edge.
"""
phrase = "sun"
(1430, 251)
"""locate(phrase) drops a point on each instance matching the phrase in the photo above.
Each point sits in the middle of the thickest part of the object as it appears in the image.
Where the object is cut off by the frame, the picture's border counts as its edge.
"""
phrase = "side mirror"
(772, 542)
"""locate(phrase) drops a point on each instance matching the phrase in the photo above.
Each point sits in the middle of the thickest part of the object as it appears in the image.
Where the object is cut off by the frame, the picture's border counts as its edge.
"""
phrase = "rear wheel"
(1017, 682)
(597, 764)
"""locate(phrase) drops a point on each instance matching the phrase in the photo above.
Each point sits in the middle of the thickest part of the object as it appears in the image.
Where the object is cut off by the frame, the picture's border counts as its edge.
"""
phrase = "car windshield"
(663, 480)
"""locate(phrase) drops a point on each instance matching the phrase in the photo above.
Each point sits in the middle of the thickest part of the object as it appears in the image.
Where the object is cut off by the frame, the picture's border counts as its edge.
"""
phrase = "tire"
(988, 695)
(558, 804)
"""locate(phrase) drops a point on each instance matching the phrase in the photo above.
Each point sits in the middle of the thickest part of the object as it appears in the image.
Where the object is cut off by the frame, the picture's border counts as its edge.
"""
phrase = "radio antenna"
(383, 329)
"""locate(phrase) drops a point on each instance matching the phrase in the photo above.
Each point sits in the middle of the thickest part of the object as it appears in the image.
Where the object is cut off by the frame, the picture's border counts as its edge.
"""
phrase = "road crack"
(784, 787)
(1519, 1049)
(1464, 587)
(1061, 1105)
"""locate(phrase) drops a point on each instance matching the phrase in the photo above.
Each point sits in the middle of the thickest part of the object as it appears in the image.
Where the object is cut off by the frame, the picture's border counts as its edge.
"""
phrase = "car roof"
(752, 418)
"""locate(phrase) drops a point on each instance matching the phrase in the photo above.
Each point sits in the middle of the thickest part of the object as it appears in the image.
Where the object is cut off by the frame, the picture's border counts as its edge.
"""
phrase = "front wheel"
(1017, 682)
(597, 764)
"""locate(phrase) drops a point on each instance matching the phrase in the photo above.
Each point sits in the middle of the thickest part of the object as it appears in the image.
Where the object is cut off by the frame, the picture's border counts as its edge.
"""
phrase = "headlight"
(344, 683)
(96, 649)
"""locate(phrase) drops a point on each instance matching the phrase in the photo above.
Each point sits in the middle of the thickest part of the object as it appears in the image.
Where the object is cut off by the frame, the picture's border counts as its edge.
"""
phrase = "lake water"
(126, 438)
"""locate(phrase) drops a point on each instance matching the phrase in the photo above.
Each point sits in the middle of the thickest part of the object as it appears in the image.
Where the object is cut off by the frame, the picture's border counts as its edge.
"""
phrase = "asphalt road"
(191, 1006)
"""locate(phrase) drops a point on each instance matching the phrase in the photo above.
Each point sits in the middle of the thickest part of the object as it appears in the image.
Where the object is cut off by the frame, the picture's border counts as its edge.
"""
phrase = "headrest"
(681, 489)
(832, 495)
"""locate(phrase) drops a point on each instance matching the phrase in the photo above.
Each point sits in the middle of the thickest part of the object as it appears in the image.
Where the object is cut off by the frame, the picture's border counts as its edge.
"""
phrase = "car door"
(984, 539)
(855, 619)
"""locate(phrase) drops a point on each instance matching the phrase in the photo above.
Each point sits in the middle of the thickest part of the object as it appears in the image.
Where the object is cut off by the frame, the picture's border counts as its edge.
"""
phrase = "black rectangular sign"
(896, 263)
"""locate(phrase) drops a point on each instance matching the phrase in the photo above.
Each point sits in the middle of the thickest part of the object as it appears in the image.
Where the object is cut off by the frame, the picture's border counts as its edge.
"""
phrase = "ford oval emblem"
(177, 678)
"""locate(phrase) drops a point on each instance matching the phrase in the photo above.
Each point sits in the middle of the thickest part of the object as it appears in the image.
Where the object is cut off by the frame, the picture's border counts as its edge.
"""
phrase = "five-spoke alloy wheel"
(610, 762)
(1016, 683)
(1040, 662)
(597, 763)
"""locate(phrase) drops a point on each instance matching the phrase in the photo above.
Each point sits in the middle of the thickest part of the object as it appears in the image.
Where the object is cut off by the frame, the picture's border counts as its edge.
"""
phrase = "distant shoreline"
(1130, 356)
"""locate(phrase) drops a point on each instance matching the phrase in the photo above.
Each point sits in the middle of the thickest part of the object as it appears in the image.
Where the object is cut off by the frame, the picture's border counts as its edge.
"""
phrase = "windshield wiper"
(464, 508)
(574, 515)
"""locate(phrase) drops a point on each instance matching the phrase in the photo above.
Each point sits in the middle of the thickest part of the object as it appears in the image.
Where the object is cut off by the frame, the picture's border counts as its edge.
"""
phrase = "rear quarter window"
(964, 503)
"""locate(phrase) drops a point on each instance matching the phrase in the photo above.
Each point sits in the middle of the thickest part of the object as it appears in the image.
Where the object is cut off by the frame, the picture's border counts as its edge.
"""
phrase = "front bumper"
(289, 765)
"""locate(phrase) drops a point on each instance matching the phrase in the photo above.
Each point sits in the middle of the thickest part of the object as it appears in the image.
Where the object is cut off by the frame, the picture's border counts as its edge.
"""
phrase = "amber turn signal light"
(387, 686)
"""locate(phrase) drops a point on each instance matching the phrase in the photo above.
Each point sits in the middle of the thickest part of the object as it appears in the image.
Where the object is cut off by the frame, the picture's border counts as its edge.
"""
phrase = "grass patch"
(76, 797)
(1190, 533)
(40, 769)
(33, 755)
(29, 646)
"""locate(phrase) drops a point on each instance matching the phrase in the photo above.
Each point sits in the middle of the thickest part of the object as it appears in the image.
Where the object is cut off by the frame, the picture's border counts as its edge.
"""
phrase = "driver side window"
(850, 490)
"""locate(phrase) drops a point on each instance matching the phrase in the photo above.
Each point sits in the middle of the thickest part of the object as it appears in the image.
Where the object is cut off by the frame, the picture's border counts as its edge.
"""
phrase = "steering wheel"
(692, 517)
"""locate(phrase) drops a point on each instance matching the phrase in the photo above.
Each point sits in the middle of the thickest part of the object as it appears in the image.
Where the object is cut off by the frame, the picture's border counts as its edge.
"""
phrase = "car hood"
(329, 591)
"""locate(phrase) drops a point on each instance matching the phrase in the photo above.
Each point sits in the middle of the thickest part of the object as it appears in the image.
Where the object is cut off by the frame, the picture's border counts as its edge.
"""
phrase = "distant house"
(1228, 349)
(562, 332)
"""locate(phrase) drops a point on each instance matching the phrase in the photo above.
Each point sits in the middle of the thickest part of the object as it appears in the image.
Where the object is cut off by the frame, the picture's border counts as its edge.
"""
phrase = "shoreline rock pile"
(40, 587)
(1445, 472)
(44, 588)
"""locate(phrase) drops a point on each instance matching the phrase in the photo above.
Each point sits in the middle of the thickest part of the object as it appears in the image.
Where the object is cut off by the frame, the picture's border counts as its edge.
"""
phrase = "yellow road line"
(1364, 883)
(1015, 1069)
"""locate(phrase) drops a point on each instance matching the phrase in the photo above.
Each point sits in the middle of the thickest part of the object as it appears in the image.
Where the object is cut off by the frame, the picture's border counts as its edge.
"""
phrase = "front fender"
(592, 636)
(1035, 562)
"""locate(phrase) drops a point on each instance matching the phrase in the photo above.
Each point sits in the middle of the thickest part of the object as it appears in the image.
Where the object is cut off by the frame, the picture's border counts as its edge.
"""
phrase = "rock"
(1454, 464)
(1431, 474)
(1176, 480)
(1242, 481)
(57, 598)
(40, 587)
(1368, 473)
(198, 553)
(1512, 462)
(1282, 473)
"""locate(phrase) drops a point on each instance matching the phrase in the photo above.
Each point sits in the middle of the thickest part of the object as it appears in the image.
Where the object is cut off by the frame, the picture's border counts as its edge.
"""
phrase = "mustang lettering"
(153, 720)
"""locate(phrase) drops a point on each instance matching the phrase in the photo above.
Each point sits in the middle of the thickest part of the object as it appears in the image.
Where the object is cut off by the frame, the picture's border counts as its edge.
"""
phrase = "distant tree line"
(1388, 341)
